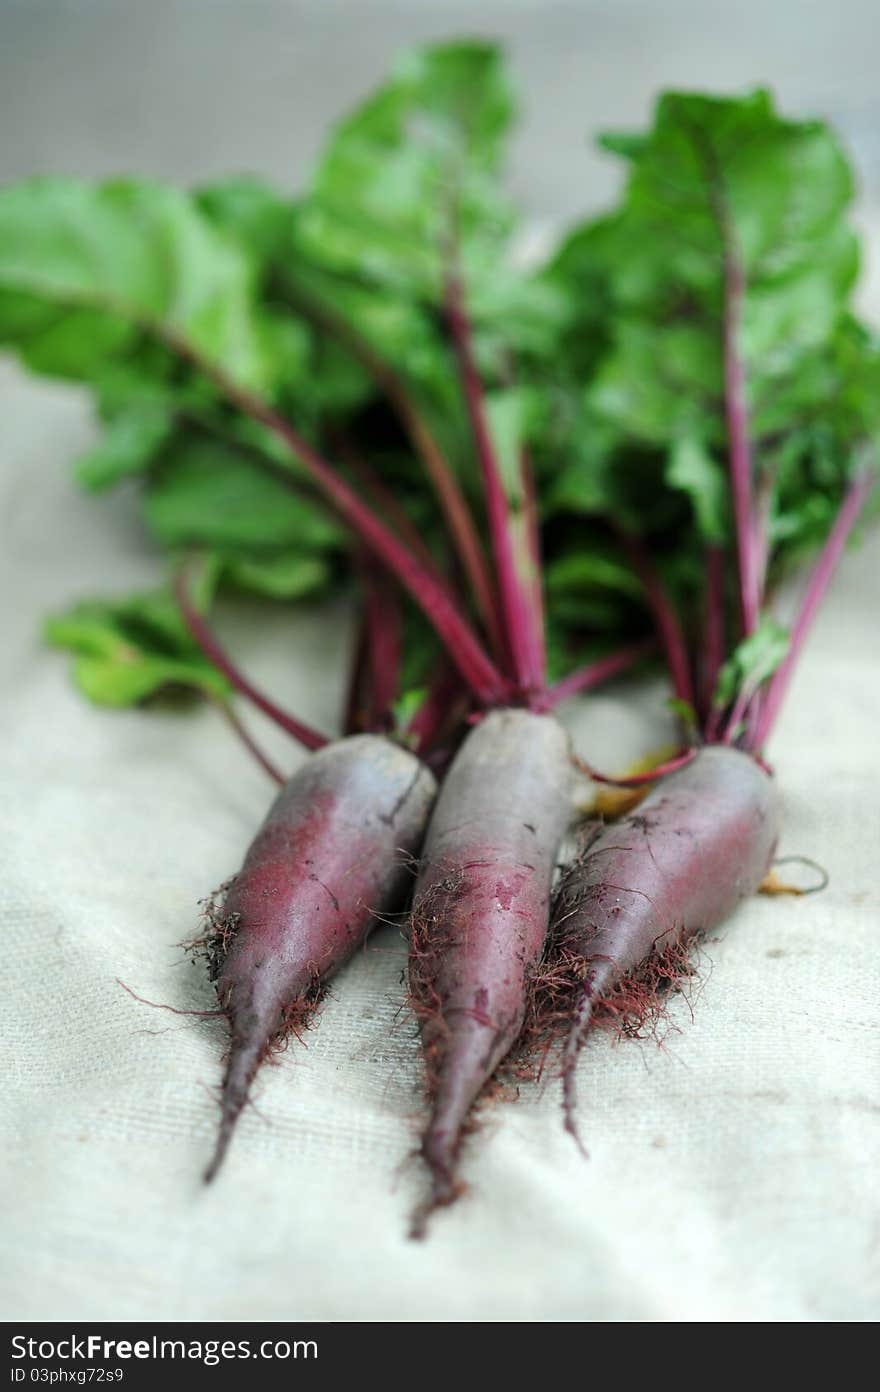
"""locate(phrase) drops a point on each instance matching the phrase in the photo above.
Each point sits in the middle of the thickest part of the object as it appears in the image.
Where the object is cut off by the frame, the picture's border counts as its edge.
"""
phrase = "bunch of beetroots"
(649, 431)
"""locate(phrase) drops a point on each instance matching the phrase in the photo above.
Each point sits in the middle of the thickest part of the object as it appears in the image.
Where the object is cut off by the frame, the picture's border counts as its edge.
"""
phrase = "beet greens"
(728, 428)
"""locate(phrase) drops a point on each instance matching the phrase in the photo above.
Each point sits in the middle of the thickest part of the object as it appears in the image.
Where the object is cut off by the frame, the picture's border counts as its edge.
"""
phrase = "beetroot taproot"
(480, 915)
(335, 851)
(679, 864)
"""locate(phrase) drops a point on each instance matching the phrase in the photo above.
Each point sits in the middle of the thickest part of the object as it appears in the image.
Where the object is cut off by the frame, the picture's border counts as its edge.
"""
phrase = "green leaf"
(714, 168)
(834, 416)
(86, 270)
(418, 155)
(589, 589)
(693, 469)
(627, 144)
(249, 210)
(208, 494)
(410, 185)
(598, 478)
(686, 714)
(406, 707)
(594, 566)
(733, 220)
(130, 650)
(396, 328)
(128, 445)
(726, 181)
(285, 575)
(516, 317)
(578, 275)
(752, 662)
(288, 347)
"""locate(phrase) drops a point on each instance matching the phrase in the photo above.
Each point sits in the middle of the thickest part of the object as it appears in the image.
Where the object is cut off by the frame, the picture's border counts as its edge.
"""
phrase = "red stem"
(481, 675)
(453, 504)
(756, 705)
(520, 630)
(665, 617)
(202, 634)
(713, 630)
(852, 505)
(763, 507)
(638, 780)
(594, 673)
(386, 504)
(743, 700)
(249, 742)
(356, 716)
(438, 710)
(735, 404)
(384, 643)
(533, 568)
(736, 414)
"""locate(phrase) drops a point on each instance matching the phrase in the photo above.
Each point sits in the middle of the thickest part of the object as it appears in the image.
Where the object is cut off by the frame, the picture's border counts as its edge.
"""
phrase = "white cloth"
(733, 1174)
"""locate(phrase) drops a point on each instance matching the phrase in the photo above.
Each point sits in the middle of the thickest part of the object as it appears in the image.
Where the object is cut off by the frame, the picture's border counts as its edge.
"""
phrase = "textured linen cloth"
(733, 1174)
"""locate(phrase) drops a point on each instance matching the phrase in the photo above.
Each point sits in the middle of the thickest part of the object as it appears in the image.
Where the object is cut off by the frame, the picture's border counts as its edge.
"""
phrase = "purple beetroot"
(335, 852)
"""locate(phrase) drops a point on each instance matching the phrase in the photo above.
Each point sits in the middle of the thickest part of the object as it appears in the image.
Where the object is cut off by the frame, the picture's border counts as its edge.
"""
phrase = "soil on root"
(211, 947)
(430, 939)
(636, 1006)
(216, 932)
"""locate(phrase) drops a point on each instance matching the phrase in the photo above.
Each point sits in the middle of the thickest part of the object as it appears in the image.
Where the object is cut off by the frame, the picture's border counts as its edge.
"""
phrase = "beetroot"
(333, 853)
(699, 843)
(481, 913)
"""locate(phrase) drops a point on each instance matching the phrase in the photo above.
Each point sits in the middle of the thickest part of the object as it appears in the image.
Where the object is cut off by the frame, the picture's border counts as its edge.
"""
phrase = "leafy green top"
(733, 396)
(687, 368)
(725, 199)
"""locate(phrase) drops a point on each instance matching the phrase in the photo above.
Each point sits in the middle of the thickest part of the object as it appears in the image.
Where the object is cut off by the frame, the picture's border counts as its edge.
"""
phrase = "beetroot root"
(335, 850)
(699, 843)
(481, 915)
